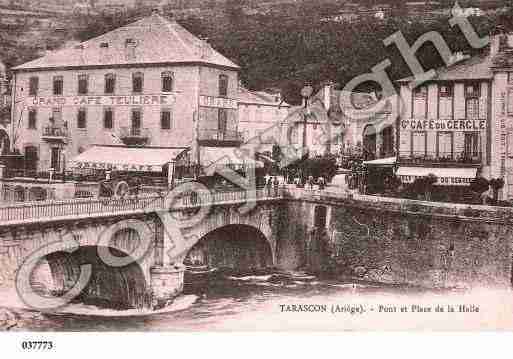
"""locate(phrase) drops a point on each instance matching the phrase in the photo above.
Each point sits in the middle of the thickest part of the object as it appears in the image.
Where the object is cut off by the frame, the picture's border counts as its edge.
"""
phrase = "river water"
(271, 301)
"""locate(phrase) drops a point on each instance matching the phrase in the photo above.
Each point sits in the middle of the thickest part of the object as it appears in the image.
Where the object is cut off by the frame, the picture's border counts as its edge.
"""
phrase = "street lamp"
(306, 92)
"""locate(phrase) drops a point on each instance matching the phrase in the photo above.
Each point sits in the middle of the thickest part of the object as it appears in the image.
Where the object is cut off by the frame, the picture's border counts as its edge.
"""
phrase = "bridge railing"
(77, 208)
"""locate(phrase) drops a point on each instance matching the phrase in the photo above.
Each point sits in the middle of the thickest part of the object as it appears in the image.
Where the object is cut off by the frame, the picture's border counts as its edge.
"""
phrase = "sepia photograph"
(255, 166)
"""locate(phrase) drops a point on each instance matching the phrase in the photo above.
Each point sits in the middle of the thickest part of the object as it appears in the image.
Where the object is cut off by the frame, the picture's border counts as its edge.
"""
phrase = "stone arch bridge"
(139, 235)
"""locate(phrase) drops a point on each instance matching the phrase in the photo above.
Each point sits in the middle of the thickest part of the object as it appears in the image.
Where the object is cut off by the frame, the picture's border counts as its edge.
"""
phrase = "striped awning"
(123, 158)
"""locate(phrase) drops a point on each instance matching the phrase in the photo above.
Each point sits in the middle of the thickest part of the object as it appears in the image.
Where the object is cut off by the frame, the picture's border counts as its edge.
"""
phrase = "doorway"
(31, 159)
(55, 159)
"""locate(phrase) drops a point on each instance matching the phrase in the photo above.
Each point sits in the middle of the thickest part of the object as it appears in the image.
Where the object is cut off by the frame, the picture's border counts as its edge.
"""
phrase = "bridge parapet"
(52, 211)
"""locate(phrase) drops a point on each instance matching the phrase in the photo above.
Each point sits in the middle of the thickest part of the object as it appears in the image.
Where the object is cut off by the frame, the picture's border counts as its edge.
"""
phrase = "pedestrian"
(311, 182)
(268, 186)
(321, 182)
(276, 184)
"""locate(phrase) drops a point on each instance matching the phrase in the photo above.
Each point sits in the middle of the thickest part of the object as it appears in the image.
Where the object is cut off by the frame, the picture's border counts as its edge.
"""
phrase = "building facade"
(150, 83)
(460, 124)
(262, 117)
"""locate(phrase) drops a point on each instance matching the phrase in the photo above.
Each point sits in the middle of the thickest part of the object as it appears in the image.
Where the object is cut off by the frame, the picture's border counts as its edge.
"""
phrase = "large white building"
(150, 83)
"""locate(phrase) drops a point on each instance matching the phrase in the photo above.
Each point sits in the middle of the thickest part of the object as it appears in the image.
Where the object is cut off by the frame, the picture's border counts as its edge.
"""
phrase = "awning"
(446, 176)
(389, 161)
(123, 158)
(232, 156)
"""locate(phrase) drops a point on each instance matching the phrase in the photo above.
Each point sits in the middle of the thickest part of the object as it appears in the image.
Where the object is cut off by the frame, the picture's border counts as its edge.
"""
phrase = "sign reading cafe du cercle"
(443, 125)
(111, 100)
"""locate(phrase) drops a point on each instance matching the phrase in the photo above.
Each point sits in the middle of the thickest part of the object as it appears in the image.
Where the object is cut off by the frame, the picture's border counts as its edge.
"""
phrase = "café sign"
(442, 181)
(443, 125)
(132, 100)
(217, 102)
(114, 166)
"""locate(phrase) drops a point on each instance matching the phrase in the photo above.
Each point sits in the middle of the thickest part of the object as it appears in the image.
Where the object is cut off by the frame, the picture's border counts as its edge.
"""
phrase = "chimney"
(104, 51)
(204, 48)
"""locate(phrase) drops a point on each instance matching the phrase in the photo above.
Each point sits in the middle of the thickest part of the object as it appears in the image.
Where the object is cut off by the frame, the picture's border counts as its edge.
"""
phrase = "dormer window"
(104, 45)
(130, 45)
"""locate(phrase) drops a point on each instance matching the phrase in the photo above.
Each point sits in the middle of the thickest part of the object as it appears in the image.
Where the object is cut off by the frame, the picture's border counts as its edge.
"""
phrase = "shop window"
(82, 118)
(33, 86)
(108, 118)
(82, 84)
(32, 119)
(165, 120)
(58, 85)
(167, 81)
(223, 85)
(110, 83)
(445, 145)
(137, 82)
(418, 144)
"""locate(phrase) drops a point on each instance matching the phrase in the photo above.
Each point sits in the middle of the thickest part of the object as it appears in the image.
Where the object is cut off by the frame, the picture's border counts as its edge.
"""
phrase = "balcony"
(433, 159)
(55, 134)
(134, 136)
(216, 137)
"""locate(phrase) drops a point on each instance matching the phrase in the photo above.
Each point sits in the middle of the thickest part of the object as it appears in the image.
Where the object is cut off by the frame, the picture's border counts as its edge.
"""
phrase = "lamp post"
(306, 92)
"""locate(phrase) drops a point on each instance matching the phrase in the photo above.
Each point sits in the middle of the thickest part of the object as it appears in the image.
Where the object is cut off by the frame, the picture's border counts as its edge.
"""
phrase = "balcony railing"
(220, 136)
(55, 133)
(440, 159)
(134, 135)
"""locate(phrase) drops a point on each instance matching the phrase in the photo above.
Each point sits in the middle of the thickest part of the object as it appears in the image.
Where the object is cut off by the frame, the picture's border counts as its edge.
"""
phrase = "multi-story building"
(459, 125)
(262, 116)
(360, 122)
(150, 83)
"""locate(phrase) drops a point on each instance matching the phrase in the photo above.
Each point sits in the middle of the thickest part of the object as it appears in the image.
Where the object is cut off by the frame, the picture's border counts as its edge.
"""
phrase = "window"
(56, 118)
(58, 84)
(222, 120)
(82, 84)
(167, 82)
(472, 90)
(445, 90)
(471, 144)
(33, 86)
(108, 118)
(418, 144)
(32, 119)
(81, 118)
(420, 101)
(223, 85)
(136, 118)
(165, 120)
(445, 101)
(510, 101)
(137, 82)
(445, 145)
(110, 83)
(510, 78)
(472, 108)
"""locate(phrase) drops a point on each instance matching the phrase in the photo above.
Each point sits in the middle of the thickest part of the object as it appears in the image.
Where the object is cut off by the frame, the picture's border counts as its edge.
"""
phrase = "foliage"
(496, 183)
(479, 185)
(325, 166)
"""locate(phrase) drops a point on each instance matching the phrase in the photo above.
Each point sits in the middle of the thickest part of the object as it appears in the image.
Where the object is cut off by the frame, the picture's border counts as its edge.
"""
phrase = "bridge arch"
(114, 287)
(234, 246)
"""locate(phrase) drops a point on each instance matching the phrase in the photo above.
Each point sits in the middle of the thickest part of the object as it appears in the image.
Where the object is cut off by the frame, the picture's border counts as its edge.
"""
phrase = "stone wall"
(401, 242)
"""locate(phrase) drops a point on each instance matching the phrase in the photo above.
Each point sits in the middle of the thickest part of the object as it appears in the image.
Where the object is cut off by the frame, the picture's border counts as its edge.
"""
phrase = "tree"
(480, 185)
(496, 184)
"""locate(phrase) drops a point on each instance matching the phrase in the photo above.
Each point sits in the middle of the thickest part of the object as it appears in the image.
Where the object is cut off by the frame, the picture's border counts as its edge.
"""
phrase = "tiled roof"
(157, 41)
(259, 98)
(477, 67)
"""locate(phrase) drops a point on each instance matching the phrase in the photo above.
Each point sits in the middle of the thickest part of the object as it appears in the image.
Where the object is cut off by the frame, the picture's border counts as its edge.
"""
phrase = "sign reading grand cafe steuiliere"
(457, 125)
(149, 84)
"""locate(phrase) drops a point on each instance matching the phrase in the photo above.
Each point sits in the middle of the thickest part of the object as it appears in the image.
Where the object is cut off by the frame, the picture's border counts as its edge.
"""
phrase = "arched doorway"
(369, 142)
